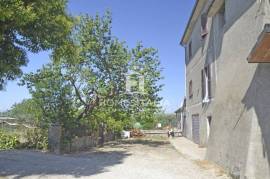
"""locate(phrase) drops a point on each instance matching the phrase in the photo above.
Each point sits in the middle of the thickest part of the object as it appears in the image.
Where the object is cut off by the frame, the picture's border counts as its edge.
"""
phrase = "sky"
(156, 23)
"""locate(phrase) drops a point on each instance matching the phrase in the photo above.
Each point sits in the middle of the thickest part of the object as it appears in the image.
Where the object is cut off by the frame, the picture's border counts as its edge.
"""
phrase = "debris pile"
(136, 133)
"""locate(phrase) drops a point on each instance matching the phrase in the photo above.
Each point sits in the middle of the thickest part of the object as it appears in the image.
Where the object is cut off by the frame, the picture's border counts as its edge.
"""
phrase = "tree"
(52, 94)
(166, 119)
(145, 103)
(29, 25)
(25, 111)
(90, 85)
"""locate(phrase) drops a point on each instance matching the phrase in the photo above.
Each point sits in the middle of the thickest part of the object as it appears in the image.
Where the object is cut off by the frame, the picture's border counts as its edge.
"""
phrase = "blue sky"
(157, 23)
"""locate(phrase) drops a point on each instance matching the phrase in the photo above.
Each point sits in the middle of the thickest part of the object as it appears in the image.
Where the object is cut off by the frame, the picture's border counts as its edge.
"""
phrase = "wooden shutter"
(203, 84)
(190, 50)
(190, 89)
(204, 31)
(209, 81)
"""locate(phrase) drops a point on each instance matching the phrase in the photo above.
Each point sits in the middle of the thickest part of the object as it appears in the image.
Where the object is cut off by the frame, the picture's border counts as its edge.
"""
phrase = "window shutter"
(209, 81)
(190, 50)
(190, 89)
(203, 84)
(204, 31)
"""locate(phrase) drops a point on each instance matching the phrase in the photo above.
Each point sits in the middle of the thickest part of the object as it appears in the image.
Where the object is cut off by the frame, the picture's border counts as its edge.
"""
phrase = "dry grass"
(207, 165)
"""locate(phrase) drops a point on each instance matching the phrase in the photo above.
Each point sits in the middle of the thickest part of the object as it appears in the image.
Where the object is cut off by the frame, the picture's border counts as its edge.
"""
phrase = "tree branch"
(77, 92)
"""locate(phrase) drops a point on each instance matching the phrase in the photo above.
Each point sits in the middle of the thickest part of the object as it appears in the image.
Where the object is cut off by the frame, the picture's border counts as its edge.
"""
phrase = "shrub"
(8, 141)
(36, 139)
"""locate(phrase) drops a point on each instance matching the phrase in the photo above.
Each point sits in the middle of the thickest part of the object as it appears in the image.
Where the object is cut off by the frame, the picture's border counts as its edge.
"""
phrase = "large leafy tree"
(29, 25)
(90, 84)
(145, 103)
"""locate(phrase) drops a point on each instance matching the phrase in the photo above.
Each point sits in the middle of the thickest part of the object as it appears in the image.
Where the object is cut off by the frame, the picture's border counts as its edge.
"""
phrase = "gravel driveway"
(148, 160)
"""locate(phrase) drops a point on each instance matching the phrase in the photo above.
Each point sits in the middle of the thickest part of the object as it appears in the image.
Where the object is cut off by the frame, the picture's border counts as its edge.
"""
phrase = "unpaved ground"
(149, 160)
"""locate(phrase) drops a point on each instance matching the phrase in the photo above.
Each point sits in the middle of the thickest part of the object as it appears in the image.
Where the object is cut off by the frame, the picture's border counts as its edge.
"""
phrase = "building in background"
(227, 47)
(180, 118)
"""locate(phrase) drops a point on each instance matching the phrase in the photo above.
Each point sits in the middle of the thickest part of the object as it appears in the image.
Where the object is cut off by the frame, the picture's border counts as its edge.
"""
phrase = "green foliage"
(166, 119)
(8, 141)
(87, 87)
(52, 94)
(26, 111)
(29, 25)
(36, 139)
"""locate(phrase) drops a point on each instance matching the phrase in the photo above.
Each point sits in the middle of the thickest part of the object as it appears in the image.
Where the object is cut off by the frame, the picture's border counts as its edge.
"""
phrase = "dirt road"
(148, 160)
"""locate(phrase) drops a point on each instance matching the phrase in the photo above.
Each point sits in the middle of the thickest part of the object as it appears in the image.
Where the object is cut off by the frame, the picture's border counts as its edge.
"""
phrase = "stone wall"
(54, 138)
(155, 133)
(86, 142)
(57, 145)
(82, 143)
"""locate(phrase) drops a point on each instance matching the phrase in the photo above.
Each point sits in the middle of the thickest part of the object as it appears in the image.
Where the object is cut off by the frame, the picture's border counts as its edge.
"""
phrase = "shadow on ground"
(31, 163)
(146, 141)
(24, 163)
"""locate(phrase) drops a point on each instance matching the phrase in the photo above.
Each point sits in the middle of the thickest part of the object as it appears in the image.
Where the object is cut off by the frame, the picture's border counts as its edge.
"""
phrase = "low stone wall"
(82, 143)
(154, 133)
(58, 145)
(110, 136)
(160, 133)
(54, 138)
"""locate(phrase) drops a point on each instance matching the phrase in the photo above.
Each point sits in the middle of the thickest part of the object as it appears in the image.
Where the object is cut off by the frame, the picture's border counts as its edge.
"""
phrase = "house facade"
(227, 47)
(180, 118)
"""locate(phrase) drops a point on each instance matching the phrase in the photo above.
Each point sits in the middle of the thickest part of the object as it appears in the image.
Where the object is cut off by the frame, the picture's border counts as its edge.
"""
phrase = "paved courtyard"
(125, 160)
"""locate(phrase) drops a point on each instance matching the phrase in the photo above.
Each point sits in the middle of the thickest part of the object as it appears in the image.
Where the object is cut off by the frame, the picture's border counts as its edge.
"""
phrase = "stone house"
(227, 47)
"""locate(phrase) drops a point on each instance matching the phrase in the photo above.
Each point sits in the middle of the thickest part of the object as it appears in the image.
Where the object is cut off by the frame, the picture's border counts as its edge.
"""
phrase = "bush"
(8, 141)
(36, 139)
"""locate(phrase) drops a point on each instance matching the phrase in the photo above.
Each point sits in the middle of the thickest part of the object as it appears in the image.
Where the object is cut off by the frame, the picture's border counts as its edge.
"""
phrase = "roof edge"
(192, 20)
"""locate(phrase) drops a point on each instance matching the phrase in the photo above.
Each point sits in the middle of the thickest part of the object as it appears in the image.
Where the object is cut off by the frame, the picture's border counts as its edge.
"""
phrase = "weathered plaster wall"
(203, 55)
(240, 132)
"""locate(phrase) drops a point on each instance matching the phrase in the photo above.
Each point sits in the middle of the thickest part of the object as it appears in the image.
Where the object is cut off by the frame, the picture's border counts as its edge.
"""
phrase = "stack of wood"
(136, 133)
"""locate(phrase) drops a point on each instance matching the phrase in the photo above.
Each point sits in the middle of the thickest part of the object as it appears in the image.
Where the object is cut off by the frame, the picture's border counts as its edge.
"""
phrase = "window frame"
(206, 83)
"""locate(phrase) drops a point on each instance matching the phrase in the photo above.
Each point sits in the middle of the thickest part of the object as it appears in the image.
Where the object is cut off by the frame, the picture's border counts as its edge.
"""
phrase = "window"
(204, 30)
(209, 119)
(190, 90)
(206, 84)
(190, 50)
